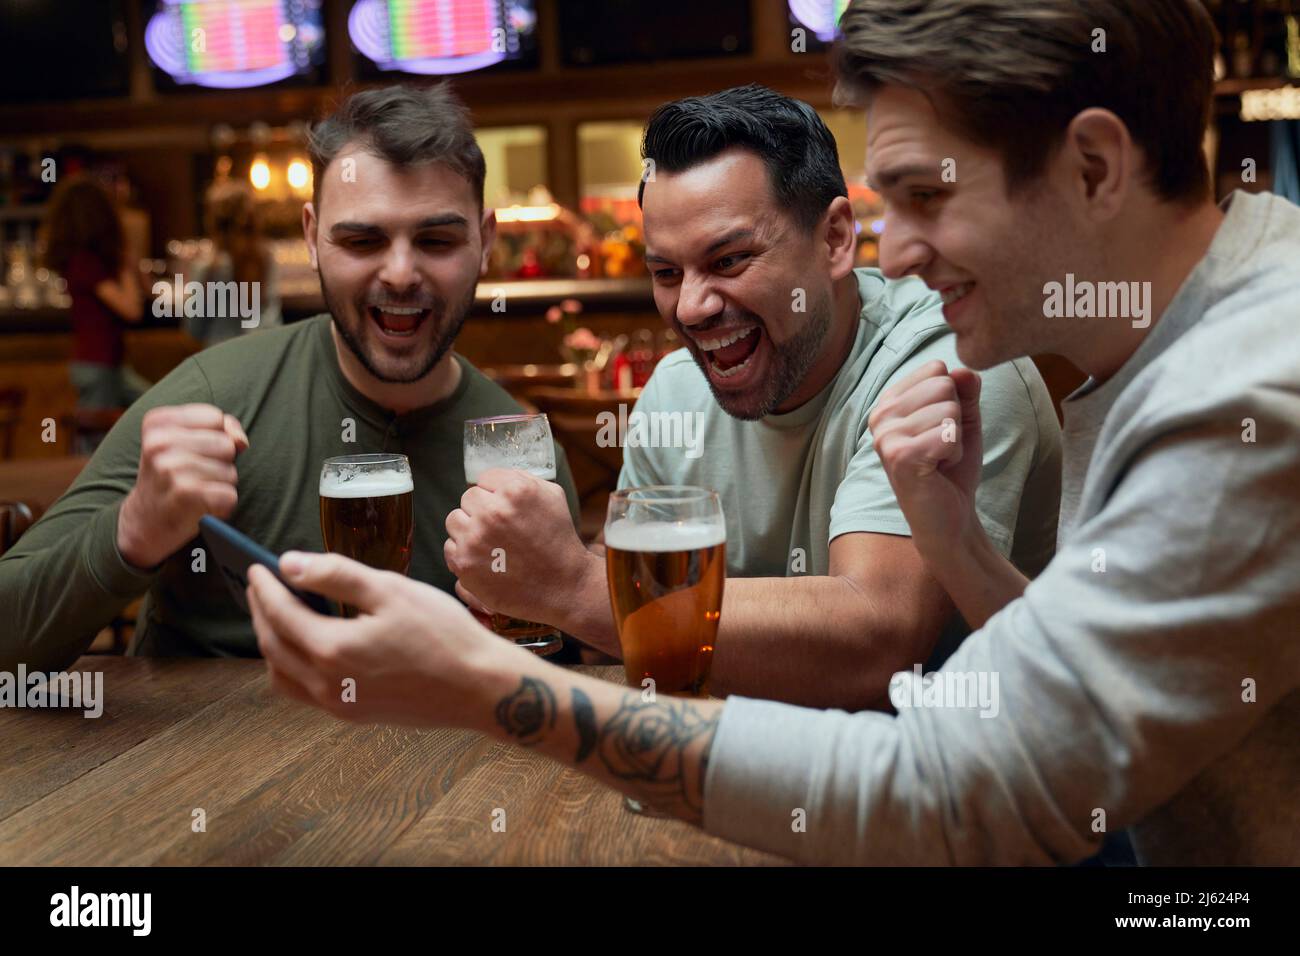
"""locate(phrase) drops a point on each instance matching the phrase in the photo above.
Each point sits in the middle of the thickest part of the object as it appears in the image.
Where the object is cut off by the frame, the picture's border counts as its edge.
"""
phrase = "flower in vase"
(582, 340)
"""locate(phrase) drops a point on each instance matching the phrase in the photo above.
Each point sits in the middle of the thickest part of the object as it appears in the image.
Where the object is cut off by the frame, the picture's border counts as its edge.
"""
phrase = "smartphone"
(235, 551)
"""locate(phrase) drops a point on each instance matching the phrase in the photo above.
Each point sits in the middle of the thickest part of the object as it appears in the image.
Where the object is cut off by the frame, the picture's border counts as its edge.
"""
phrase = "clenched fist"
(926, 431)
(187, 470)
(513, 546)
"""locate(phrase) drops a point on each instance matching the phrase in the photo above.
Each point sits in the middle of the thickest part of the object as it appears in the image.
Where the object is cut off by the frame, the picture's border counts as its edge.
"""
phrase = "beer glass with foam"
(521, 442)
(666, 560)
(367, 510)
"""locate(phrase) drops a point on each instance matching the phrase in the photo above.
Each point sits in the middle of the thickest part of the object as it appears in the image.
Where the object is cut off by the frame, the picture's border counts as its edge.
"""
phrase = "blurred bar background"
(559, 92)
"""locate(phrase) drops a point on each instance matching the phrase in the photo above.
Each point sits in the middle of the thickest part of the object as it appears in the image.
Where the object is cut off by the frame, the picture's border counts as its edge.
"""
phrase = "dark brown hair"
(82, 218)
(404, 125)
(1011, 74)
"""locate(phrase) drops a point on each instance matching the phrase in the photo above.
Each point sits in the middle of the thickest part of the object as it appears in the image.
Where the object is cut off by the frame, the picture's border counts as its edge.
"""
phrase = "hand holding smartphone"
(234, 552)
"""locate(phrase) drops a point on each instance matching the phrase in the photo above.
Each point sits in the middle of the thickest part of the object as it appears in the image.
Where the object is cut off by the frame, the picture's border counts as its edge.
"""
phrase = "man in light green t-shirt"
(751, 239)
(793, 482)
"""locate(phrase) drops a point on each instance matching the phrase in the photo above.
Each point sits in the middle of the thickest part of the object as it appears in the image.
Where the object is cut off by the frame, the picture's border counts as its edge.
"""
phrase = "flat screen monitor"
(234, 44)
(439, 37)
(49, 52)
(602, 32)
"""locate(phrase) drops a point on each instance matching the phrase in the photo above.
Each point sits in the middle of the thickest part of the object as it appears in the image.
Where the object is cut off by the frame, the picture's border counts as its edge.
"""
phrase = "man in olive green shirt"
(399, 235)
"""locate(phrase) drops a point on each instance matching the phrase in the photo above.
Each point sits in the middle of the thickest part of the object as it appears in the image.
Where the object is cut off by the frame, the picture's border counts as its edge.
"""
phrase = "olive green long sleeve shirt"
(65, 580)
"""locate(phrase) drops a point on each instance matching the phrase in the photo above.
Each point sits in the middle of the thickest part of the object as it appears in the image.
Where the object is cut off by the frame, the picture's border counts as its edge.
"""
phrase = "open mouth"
(957, 293)
(398, 322)
(730, 354)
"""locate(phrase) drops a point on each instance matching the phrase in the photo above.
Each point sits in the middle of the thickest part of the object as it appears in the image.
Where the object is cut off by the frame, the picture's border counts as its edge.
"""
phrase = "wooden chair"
(11, 407)
(15, 518)
(86, 428)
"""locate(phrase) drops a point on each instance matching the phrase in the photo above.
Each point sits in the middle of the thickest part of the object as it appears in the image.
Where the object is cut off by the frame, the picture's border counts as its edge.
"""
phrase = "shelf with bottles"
(27, 285)
(540, 239)
(621, 362)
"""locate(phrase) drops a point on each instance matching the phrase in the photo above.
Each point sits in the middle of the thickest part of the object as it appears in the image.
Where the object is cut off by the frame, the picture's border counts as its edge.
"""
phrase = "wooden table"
(285, 784)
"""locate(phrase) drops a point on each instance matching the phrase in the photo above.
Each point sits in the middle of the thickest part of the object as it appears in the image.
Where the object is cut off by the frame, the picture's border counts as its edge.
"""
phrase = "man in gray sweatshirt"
(1041, 167)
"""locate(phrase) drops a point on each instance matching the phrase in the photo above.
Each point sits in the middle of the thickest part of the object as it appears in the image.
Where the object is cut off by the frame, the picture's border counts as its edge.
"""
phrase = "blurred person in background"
(84, 243)
(239, 254)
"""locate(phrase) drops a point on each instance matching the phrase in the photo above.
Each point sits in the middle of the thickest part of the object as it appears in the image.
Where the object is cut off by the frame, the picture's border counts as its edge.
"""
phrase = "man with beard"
(398, 233)
(750, 239)
(1149, 677)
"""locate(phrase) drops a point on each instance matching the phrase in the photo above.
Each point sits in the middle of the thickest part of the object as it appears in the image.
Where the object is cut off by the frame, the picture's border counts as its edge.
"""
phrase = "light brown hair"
(1010, 75)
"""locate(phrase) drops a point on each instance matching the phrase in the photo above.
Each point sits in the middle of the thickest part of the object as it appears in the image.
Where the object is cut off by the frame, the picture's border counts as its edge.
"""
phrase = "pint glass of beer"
(666, 559)
(367, 511)
(522, 442)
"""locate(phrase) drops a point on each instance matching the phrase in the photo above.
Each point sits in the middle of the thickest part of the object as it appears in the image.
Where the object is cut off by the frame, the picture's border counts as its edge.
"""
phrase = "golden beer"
(367, 511)
(665, 586)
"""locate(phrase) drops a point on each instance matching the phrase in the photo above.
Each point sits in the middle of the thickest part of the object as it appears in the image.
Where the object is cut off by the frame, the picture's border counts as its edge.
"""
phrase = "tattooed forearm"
(528, 714)
(657, 751)
(584, 719)
(663, 748)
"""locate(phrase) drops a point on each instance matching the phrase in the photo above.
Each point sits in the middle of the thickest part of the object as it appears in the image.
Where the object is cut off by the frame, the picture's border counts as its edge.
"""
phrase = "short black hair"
(404, 124)
(798, 150)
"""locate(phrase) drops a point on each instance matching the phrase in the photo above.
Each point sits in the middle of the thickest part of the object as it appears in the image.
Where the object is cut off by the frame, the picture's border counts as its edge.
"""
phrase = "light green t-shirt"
(791, 483)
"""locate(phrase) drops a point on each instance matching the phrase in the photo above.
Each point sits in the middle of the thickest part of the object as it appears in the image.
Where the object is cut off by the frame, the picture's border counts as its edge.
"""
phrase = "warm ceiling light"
(528, 213)
(259, 174)
(298, 174)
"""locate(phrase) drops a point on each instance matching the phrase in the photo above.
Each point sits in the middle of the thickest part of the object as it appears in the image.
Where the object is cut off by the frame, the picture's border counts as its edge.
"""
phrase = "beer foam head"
(690, 535)
(369, 484)
(477, 463)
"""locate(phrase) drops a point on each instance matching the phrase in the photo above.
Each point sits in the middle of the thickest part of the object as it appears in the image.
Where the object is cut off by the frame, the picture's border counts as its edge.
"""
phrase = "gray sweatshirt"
(1148, 679)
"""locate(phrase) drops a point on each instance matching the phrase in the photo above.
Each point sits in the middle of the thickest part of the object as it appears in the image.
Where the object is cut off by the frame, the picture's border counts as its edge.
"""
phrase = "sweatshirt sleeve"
(65, 579)
(1119, 675)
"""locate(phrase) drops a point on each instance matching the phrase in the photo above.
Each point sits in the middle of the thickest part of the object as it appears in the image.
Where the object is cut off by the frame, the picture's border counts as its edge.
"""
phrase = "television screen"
(436, 37)
(599, 32)
(48, 53)
(819, 17)
(230, 44)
